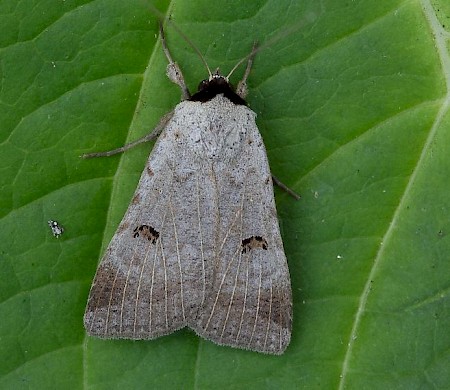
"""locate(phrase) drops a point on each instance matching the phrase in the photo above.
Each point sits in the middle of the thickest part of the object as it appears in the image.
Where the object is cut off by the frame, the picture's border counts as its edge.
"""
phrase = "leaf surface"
(353, 104)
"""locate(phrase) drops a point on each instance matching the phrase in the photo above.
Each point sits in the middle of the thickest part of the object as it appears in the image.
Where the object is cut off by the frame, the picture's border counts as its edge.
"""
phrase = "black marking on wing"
(147, 232)
(254, 242)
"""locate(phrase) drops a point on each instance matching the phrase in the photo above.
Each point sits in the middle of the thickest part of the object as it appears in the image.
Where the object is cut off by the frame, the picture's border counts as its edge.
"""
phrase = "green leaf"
(352, 101)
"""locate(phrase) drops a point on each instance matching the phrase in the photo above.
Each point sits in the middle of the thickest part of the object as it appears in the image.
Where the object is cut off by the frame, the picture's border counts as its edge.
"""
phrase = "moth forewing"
(199, 245)
(249, 297)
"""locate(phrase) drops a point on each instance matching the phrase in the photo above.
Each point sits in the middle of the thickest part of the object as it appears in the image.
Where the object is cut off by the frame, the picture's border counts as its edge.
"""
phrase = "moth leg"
(241, 89)
(148, 137)
(285, 188)
(173, 71)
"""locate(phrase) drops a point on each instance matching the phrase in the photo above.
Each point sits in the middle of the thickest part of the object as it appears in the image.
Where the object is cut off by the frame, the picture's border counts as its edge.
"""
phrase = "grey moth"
(199, 245)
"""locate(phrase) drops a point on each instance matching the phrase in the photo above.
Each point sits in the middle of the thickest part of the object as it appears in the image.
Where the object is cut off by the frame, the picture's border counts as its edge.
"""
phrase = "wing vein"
(281, 328)
(109, 302)
(238, 267)
(232, 225)
(151, 290)
(165, 283)
(269, 316)
(245, 300)
(229, 230)
(219, 290)
(178, 258)
(232, 296)
(201, 243)
(125, 288)
(258, 305)
(138, 291)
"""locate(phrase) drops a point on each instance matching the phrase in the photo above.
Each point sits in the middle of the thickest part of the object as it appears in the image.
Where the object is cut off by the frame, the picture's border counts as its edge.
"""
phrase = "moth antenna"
(178, 30)
(165, 19)
(276, 38)
(257, 48)
(252, 54)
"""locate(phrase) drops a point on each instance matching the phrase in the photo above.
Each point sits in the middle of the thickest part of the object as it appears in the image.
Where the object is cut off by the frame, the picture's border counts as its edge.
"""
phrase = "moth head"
(215, 80)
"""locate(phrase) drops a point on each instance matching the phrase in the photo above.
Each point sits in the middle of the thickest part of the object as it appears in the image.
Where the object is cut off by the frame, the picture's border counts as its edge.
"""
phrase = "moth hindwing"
(199, 245)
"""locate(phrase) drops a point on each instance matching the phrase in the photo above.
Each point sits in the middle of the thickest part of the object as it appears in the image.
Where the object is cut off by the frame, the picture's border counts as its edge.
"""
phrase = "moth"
(200, 244)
